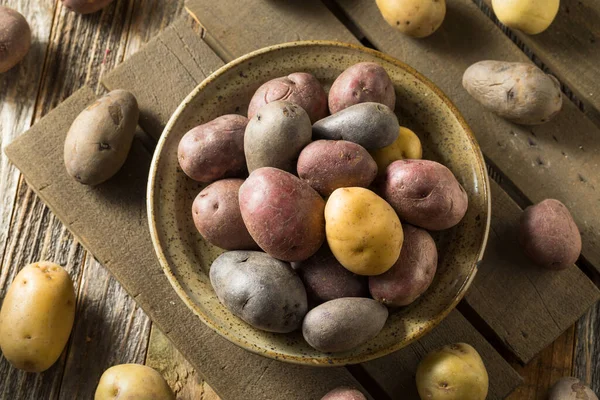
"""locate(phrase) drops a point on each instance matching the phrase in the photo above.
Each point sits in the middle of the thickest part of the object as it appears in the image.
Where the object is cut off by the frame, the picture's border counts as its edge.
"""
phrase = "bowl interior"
(186, 257)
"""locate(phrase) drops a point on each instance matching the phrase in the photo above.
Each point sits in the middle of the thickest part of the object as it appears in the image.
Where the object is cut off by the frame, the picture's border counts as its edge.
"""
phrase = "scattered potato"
(344, 393)
(37, 316)
(454, 372)
(407, 145)
(549, 235)
(85, 6)
(15, 38)
(520, 92)
(132, 382)
(416, 18)
(570, 388)
(529, 16)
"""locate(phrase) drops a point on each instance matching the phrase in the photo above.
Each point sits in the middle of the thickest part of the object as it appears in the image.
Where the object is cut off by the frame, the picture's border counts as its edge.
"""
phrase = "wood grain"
(587, 349)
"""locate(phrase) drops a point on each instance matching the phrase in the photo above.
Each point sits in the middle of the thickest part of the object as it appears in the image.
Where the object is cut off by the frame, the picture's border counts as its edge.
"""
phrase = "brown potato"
(361, 83)
(549, 235)
(299, 88)
(132, 382)
(328, 165)
(283, 214)
(412, 274)
(15, 38)
(344, 393)
(424, 193)
(214, 150)
(570, 388)
(217, 216)
(85, 6)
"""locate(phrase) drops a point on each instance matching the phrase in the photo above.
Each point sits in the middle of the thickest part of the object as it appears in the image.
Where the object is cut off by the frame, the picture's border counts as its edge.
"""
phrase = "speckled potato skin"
(371, 125)
(299, 88)
(570, 388)
(86, 6)
(37, 316)
(276, 135)
(344, 393)
(412, 274)
(549, 235)
(520, 92)
(424, 193)
(15, 38)
(214, 150)
(283, 214)
(132, 382)
(416, 18)
(331, 164)
(364, 82)
(264, 292)
(454, 372)
(100, 138)
(343, 324)
(529, 16)
(406, 146)
(363, 231)
(217, 216)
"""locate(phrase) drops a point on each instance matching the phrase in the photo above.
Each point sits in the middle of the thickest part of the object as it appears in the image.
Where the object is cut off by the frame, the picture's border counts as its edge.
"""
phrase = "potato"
(326, 279)
(331, 164)
(132, 382)
(424, 193)
(263, 291)
(214, 150)
(344, 393)
(37, 316)
(412, 274)
(85, 6)
(15, 38)
(299, 88)
(371, 125)
(529, 16)
(570, 388)
(416, 18)
(100, 138)
(364, 82)
(407, 145)
(520, 92)
(549, 235)
(283, 214)
(363, 231)
(454, 372)
(343, 324)
(276, 135)
(217, 216)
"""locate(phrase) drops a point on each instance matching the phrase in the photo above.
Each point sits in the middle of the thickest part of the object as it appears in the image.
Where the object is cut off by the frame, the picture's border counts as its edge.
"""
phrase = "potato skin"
(85, 6)
(276, 135)
(217, 216)
(343, 324)
(549, 235)
(424, 193)
(299, 88)
(331, 164)
(414, 18)
(407, 145)
(412, 274)
(37, 316)
(344, 393)
(454, 372)
(570, 388)
(363, 231)
(520, 92)
(15, 38)
(364, 82)
(214, 150)
(263, 291)
(132, 382)
(283, 214)
(371, 125)
(529, 16)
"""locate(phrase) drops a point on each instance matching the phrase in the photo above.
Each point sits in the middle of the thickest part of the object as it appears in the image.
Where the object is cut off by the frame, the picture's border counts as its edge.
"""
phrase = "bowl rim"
(307, 360)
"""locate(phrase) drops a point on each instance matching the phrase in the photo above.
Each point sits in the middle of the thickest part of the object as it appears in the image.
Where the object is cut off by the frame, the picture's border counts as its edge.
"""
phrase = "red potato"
(15, 38)
(344, 393)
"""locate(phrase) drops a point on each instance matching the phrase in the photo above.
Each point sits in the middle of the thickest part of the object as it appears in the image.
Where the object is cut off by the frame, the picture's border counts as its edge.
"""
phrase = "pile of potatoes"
(330, 226)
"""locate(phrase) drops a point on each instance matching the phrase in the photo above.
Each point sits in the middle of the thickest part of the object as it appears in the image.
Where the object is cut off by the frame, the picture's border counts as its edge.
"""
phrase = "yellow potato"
(407, 145)
(416, 18)
(132, 382)
(363, 231)
(529, 16)
(37, 316)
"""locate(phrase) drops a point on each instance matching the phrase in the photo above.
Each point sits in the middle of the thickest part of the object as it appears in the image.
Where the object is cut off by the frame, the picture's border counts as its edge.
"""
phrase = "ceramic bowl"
(186, 257)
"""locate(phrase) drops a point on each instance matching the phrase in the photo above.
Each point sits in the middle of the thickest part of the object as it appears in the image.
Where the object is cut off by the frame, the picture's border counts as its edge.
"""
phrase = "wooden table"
(71, 51)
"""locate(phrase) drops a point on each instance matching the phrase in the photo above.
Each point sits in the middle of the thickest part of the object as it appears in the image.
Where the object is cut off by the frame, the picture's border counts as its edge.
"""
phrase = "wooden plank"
(587, 349)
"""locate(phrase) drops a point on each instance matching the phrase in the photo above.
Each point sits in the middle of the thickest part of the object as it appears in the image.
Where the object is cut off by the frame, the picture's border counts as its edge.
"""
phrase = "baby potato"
(570, 388)
(407, 145)
(299, 88)
(454, 372)
(37, 316)
(85, 6)
(363, 231)
(132, 382)
(343, 324)
(416, 18)
(364, 82)
(344, 393)
(331, 164)
(529, 16)
(214, 150)
(15, 38)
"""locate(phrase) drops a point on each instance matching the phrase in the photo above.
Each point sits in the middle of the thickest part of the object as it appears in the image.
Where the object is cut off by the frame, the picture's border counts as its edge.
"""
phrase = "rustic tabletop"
(71, 51)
